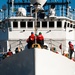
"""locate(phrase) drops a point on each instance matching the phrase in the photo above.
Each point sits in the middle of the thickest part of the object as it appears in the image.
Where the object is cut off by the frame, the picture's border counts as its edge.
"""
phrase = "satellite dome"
(42, 2)
(21, 11)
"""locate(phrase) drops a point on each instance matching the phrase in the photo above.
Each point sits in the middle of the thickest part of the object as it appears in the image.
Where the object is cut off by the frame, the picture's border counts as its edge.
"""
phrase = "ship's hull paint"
(19, 64)
(37, 62)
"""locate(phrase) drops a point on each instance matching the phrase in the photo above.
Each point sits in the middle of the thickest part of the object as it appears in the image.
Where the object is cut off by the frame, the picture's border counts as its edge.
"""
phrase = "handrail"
(54, 43)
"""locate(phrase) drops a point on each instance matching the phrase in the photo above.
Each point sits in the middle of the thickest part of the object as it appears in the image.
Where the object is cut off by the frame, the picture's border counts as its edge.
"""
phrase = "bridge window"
(15, 24)
(22, 24)
(74, 26)
(51, 24)
(59, 24)
(71, 25)
(38, 24)
(44, 24)
(65, 25)
(30, 24)
(68, 25)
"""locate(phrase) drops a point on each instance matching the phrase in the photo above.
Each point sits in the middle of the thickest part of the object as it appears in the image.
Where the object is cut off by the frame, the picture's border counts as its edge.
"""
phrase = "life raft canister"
(36, 46)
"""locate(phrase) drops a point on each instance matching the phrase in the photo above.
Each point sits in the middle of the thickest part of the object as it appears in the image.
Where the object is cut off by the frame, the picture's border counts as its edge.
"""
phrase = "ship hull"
(18, 64)
(37, 62)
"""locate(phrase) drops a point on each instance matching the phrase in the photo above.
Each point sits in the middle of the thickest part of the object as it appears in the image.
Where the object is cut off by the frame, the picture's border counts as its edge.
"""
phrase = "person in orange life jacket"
(40, 39)
(31, 40)
(71, 49)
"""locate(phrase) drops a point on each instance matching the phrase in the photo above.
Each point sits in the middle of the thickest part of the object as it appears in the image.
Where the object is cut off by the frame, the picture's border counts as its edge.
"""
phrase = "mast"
(36, 11)
(38, 5)
(67, 6)
(12, 6)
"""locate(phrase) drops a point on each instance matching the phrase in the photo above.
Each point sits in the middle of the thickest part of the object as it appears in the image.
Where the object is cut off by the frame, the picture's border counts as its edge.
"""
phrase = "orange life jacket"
(32, 37)
(40, 37)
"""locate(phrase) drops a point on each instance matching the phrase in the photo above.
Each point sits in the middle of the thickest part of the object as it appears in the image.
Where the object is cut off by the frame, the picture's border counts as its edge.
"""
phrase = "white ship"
(57, 30)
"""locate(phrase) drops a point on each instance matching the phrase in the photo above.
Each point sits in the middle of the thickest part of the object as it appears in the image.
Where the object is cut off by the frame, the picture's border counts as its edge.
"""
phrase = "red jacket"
(32, 37)
(9, 53)
(40, 37)
(71, 46)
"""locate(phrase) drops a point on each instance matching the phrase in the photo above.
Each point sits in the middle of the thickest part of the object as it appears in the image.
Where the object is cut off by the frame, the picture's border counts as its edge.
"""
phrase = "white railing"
(53, 45)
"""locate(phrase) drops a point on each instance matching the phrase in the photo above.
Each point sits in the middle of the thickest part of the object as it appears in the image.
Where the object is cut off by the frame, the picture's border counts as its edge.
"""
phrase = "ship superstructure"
(37, 60)
(57, 29)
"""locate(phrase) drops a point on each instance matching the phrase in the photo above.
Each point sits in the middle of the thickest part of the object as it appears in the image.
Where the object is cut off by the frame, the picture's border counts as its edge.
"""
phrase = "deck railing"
(54, 45)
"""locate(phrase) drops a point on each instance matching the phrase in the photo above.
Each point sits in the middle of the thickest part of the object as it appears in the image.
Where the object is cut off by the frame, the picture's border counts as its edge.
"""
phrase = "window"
(30, 24)
(44, 24)
(74, 26)
(59, 24)
(51, 24)
(15, 24)
(71, 25)
(38, 24)
(65, 25)
(68, 25)
(22, 24)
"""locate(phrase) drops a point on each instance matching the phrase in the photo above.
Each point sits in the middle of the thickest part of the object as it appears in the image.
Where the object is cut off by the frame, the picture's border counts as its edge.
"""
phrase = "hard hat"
(32, 33)
(36, 34)
(40, 33)
(69, 42)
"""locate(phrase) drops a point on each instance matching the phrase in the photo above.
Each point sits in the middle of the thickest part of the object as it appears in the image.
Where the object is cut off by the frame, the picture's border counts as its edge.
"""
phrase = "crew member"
(71, 49)
(31, 40)
(9, 53)
(40, 39)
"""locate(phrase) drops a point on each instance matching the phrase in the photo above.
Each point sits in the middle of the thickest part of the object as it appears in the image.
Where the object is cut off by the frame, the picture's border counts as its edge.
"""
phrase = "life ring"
(36, 46)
